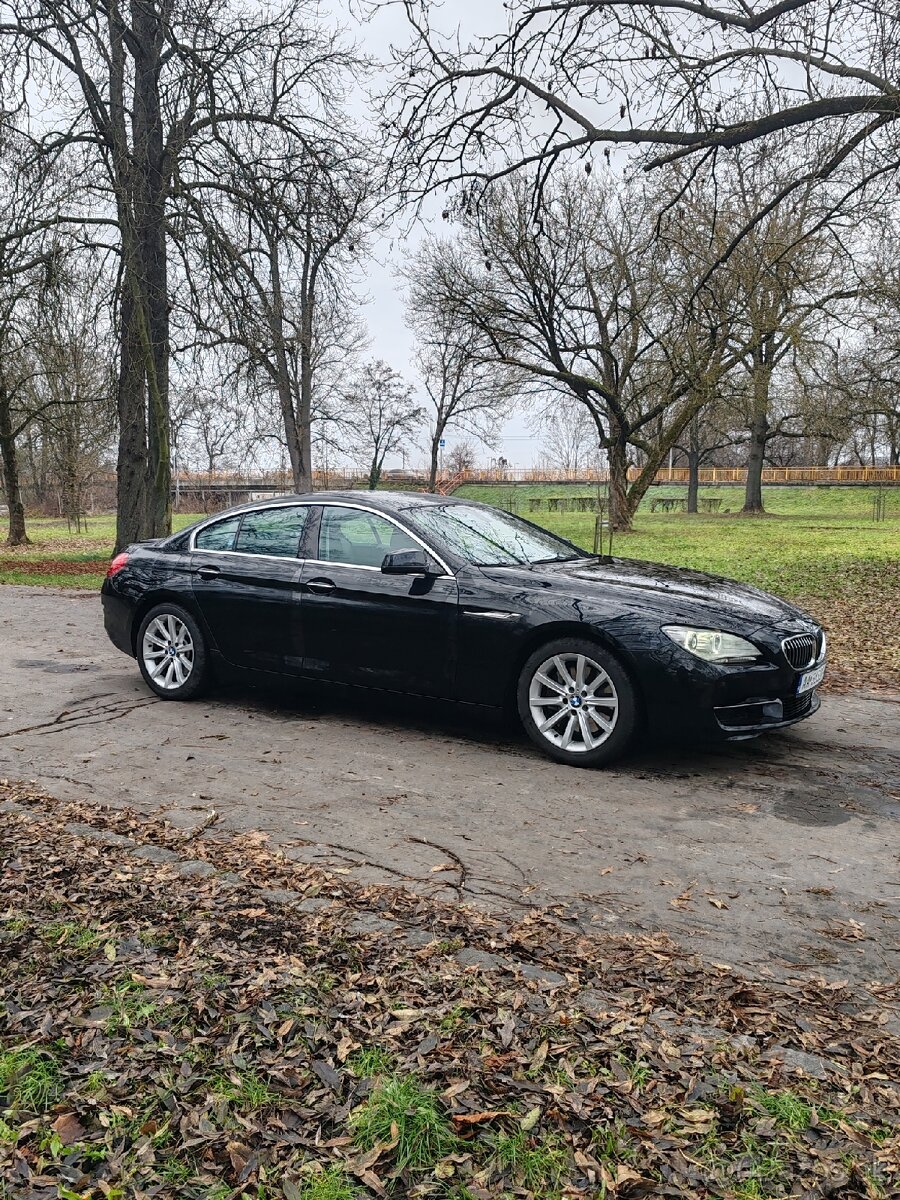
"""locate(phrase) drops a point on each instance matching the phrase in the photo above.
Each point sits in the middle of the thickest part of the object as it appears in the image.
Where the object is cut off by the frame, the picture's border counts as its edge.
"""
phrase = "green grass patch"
(788, 1110)
(403, 1104)
(331, 1184)
(243, 1089)
(29, 1079)
(69, 934)
(57, 556)
(370, 1061)
(130, 1007)
(536, 1162)
(612, 1143)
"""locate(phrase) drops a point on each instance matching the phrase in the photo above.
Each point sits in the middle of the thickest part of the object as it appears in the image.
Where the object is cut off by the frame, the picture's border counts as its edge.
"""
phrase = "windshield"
(488, 537)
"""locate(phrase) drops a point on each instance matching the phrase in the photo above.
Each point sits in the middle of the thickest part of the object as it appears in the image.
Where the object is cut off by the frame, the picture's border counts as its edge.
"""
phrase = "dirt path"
(774, 855)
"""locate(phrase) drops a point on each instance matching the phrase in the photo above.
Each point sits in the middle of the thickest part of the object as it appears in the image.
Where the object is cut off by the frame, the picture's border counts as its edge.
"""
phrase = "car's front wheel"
(171, 653)
(577, 703)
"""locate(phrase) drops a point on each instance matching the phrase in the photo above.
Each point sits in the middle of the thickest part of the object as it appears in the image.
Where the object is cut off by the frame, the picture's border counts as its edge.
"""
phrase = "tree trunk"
(435, 459)
(304, 417)
(759, 436)
(145, 470)
(309, 276)
(131, 465)
(693, 478)
(694, 454)
(374, 472)
(300, 474)
(150, 205)
(753, 499)
(17, 535)
(621, 511)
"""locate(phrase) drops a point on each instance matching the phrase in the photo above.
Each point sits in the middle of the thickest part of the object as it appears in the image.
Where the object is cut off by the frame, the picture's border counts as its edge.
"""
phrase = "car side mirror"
(406, 562)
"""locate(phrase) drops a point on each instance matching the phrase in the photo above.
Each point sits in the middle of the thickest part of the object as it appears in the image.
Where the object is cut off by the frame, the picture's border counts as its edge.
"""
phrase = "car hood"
(675, 592)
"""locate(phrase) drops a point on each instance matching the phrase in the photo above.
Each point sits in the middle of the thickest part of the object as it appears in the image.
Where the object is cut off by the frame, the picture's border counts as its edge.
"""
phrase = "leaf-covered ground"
(171, 1025)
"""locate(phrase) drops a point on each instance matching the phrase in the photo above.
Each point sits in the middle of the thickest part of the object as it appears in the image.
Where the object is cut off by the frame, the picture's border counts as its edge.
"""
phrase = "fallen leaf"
(478, 1118)
(68, 1129)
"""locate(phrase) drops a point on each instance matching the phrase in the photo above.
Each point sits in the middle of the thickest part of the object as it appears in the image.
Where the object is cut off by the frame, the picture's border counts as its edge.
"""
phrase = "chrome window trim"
(330, 562)
(249, 554)
(192, 547)
(392, 521)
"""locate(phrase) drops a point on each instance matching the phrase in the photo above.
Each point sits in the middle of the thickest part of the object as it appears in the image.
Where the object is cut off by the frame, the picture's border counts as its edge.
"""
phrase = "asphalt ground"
(778, 856)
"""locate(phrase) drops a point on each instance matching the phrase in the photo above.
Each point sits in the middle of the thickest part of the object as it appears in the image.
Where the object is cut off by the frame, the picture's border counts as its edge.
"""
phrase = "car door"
(246, 581)
(364, 627)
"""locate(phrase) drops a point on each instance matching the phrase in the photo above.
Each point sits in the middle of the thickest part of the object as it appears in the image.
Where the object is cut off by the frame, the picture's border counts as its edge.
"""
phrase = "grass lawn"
(818, 547)
(59, 558)
(838, 500)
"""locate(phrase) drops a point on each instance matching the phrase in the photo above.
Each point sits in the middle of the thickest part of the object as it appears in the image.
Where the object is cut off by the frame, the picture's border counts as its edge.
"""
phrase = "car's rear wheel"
(577, 703)
(171, 653)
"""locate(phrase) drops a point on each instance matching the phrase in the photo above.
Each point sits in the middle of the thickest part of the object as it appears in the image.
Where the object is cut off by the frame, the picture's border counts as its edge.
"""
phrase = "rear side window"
(219, 536)
(272, 531)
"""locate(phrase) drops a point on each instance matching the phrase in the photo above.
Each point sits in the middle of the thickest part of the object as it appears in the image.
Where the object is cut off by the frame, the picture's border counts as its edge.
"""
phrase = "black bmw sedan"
(441, 597)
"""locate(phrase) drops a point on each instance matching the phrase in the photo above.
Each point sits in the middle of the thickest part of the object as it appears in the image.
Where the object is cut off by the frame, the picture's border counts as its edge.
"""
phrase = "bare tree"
(568, 438)
(561, 80)
(466, 389)
(378, 416)
(217, 427)
(462, 457)
(582, 303)
(153, 98)
(787, 269)
(74, 388)
(279, 249)
(31, 260)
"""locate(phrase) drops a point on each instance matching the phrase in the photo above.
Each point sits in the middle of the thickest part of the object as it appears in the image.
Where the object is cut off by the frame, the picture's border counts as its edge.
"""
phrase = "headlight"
(712, 644)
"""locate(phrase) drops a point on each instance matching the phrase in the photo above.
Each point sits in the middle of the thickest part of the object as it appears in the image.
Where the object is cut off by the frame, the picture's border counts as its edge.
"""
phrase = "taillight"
(116, 565)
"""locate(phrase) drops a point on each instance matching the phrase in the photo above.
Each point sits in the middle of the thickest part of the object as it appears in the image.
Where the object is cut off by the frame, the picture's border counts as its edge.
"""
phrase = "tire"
(169, 634)
(603, 711)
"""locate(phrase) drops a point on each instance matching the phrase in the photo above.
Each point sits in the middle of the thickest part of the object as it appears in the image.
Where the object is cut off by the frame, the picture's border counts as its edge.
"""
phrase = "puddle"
(810, 807)
(50, 666)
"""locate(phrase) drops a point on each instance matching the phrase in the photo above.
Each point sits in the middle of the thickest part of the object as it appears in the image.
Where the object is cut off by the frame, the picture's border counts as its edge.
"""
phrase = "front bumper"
(686, 697)
(751, 717)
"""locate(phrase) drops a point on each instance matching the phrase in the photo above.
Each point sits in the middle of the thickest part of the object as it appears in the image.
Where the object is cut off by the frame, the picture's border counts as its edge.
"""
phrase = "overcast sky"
(384, 315)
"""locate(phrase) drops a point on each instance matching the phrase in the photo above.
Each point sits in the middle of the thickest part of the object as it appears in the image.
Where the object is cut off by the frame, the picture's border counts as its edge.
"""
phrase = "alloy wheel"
(573, 702)
(168, 651)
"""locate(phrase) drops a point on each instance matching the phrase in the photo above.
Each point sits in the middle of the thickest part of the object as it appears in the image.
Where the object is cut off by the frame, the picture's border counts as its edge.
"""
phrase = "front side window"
(219, 536)
(489, 538)
(272, 531)
(359, 539)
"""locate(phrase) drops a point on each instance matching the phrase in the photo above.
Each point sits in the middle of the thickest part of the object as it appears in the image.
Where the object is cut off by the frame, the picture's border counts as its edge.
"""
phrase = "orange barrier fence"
(708, 475)
(281, 481)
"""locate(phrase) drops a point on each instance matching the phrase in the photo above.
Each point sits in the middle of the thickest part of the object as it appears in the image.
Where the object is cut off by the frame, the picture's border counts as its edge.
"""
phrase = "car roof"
(385, 501)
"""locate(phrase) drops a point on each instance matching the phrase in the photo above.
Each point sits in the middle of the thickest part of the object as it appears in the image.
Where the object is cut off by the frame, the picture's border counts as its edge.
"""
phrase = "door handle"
(208, 572)
(320, 585)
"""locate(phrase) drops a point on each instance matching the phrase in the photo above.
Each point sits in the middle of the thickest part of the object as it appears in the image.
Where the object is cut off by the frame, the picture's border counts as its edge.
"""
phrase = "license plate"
(810, 679)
